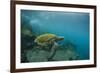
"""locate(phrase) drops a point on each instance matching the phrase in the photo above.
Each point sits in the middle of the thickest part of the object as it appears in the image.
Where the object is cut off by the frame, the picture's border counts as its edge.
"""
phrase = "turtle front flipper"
(53, 51)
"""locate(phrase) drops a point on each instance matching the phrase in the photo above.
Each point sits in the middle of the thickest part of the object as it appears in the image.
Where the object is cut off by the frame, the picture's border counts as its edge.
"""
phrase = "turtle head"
(59, 39)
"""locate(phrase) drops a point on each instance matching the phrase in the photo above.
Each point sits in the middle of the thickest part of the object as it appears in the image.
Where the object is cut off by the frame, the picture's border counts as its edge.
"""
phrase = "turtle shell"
(44, 38)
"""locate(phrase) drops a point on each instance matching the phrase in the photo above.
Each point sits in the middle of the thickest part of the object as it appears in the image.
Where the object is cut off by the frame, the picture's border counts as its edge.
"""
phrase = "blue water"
(73, 26)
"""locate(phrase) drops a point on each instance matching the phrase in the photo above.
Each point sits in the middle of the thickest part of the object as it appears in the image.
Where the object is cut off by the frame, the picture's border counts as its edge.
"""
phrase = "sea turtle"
(45, 40)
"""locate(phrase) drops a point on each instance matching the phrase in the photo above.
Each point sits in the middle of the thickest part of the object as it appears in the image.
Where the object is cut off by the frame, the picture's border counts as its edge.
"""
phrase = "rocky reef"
(45, 47)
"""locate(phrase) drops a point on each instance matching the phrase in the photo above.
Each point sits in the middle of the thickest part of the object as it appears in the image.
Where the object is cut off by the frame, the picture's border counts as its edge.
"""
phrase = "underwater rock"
(65, 54)
(26, 29)
(23, 56)
(45, 48)
(27, 38)
(38, 55)
(42, 55)
(26, 42)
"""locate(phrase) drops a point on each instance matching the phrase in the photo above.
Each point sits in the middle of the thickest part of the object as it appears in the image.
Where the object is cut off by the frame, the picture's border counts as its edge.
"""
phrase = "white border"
(52, 64)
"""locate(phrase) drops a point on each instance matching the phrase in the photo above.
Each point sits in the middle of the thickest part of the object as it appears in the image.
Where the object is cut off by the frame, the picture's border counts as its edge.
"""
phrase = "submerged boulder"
(65, 55)
(48, 49)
